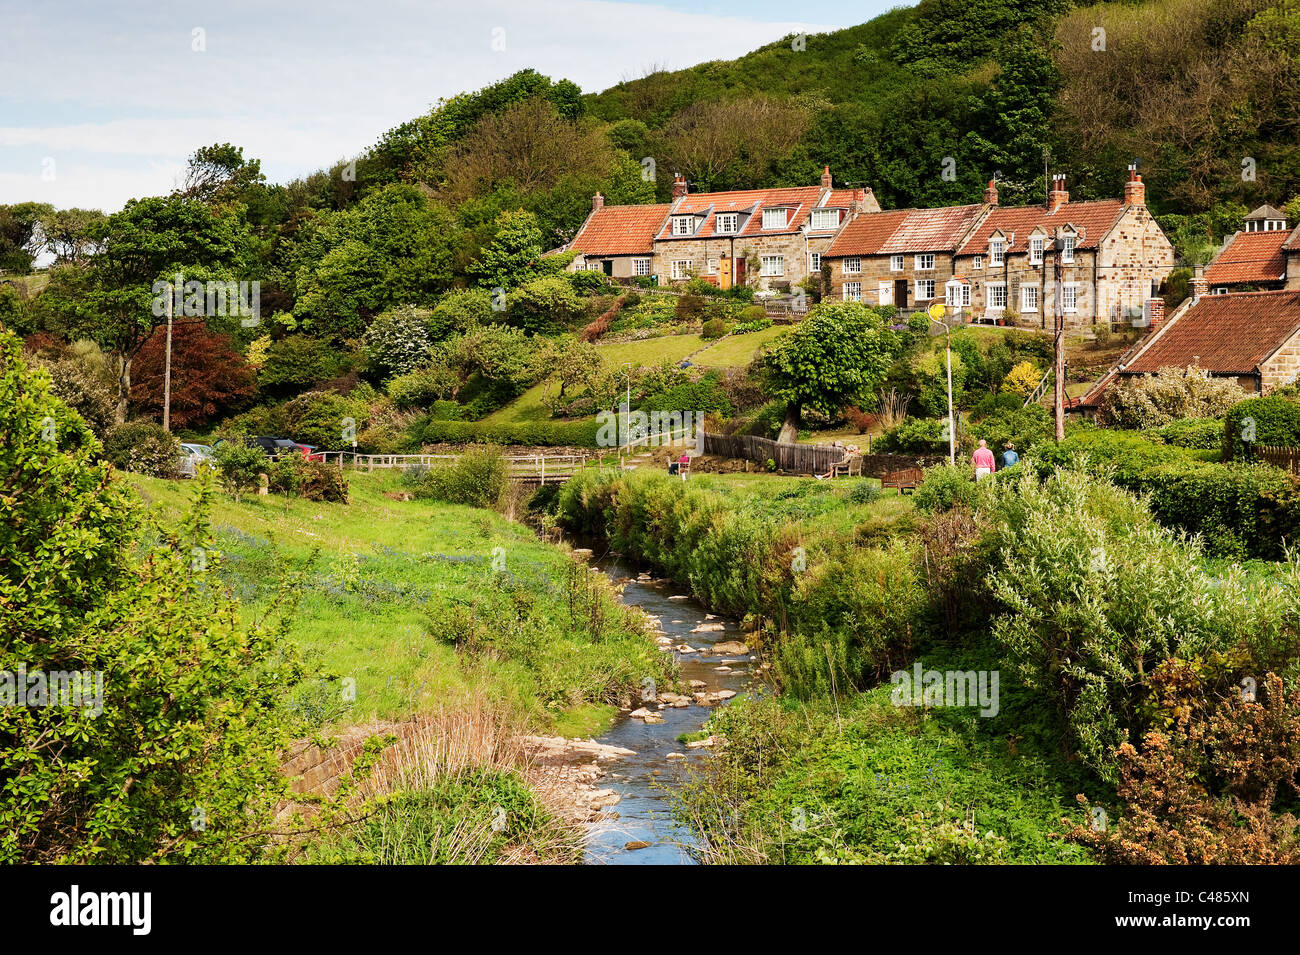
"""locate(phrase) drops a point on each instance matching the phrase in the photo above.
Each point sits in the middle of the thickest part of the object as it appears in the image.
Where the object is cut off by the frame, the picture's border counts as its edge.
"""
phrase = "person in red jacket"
(983, 460)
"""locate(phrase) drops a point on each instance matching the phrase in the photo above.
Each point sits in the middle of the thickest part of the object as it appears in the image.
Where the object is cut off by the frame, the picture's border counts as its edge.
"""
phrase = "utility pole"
(1058, 365)
(167, 364)
(934, 313)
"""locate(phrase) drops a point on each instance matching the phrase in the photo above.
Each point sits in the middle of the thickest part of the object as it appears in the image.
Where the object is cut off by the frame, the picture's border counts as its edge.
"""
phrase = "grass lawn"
(382, 567)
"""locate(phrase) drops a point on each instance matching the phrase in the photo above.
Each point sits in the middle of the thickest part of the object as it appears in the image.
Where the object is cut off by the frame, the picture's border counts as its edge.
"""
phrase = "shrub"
(915, 436)
(398, 341)
(143, 447)
(1152, 401)
(477, 479)
(423, 386)
(1026, 427)
(1271, 421)
(1022, 379)
(1202, 434)
(240, 465)
(945, 487)
(323, 482)
(574, 433)
(714, 328)
(864, 492)
(297, 362)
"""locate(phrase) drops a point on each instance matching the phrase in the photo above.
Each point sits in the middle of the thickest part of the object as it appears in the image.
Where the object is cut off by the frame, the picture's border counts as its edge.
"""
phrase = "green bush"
(478, 478)
(1025, 427)
(1202, 434)
(945, 487)
(713, 328)
(915, 436)
(240, 465)
(144, 448)
(864, 492)
(1270, 421)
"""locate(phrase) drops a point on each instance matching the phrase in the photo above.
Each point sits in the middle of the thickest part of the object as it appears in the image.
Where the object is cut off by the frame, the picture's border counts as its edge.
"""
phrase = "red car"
(309, 452)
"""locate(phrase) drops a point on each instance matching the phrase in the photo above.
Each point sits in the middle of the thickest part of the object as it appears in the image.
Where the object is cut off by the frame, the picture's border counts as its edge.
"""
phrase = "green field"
(388, 579)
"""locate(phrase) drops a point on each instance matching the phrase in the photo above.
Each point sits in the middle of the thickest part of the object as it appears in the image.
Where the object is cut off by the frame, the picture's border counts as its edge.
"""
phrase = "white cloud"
(299, 84)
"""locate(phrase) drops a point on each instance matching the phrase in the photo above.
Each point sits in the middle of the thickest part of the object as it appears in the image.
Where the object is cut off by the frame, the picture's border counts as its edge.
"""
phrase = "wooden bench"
(905, 480)
(851, 466)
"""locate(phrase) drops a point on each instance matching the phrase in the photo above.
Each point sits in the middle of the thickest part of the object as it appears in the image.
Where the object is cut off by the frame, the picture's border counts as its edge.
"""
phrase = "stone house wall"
(1282, 367)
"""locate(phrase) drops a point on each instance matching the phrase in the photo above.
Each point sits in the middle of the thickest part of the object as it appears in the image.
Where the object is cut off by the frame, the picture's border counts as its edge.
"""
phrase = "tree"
(219, 174)
(67, 235)
(837, 356)
(511, 256)
(173, 753)
(20, 234)
(399, 340)
(113, 300)
(209, 377)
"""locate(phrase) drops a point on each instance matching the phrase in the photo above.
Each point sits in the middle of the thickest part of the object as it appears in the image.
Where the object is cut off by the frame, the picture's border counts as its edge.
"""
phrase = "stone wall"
(875, 465)
(1283, 367)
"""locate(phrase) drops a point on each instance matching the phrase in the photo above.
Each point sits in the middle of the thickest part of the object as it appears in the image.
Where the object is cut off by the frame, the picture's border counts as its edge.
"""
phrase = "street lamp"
(934, 313)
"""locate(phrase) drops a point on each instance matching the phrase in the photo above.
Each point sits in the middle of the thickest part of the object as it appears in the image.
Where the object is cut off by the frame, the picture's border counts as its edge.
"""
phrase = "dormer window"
(775, 218)
(997, 247)
(1067, 247)
(683, 225)
(726, 223)
(825, 218)
(1036, 250)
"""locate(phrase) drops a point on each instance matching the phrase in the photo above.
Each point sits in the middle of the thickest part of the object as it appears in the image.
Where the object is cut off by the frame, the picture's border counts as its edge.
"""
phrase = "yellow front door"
(724, 273)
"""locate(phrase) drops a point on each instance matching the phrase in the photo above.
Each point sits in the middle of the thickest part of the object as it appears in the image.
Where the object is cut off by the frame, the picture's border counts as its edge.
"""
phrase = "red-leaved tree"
(209, 378)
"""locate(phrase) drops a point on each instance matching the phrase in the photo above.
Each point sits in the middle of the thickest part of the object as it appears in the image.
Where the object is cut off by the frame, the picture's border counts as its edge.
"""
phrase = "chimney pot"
(1135, 193)
(1058, 196)
(1199, 285)
(991, 193)
(679, 186)
(597, 202)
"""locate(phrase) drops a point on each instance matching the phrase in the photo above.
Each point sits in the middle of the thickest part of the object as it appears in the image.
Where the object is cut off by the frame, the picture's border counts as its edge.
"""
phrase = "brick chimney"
(1058, 196)
(1135, 194)
(597, 202)
(1199, 285)
(826, 177)
(1155, 308)
(991, 193)
(679, 186)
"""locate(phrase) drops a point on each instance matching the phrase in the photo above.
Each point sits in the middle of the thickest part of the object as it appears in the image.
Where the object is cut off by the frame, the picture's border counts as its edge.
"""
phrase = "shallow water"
(644, 813)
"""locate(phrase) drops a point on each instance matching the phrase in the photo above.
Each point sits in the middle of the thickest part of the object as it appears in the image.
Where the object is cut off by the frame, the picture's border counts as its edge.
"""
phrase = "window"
(641, 266)
(1036, 250)
(997, 295)
(683, 225)
(825, 218)
(594, 266)
(1067, 248)
(895, 263)
(1029, 298)
(814, 261)
(925, 263)
(924, 288)
(852, 265)
(682, 269)
(726, 222)
(713, 266)
(1070, 297)
(1219, 290)
(956, 294)
(852, 291)
(978, 263)
(996, 249)
(773, 265)
(775, 218)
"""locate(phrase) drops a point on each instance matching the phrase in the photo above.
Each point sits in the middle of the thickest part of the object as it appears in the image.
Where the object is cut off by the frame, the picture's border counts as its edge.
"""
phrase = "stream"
(643, 779)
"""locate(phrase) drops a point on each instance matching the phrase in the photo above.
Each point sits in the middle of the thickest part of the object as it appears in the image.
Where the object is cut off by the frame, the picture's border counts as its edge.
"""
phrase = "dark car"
(273, 446)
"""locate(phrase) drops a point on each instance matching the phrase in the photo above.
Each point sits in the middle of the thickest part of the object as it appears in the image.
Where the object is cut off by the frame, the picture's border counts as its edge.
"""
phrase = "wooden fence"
(799, 458)
(1287, 458)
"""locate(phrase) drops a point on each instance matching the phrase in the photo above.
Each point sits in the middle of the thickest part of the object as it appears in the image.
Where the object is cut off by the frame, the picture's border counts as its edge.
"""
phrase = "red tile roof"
(1249, 257)
(620, 230)
(1092, 219)
(799, 200)
(1294, 241)
(1224, 334)
(906, 230)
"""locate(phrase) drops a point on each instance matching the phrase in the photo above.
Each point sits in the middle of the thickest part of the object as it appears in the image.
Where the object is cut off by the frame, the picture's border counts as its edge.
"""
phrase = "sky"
(103, 101)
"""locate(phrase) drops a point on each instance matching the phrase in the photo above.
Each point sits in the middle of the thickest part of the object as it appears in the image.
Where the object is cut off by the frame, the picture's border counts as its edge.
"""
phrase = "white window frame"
(924, 262)
(712, 266)
(929, 293)
(825, 219)
(977, 263)
(771, 220)
(814, 262)
(770, 261)
(853, 265)
(896, 263)
(955, 295)
(682, 268)
(1036, 245)
(1068, 242)
(997, 251)
(640, 266)
(726, 223)
(683, 225)
(1069, 297)
(852, 291)
(995, 290)
(1028, 292)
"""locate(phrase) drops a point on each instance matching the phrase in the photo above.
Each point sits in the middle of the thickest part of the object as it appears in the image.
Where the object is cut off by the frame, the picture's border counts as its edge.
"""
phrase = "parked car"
(274, 446)
(195, 456)
(310, 453)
